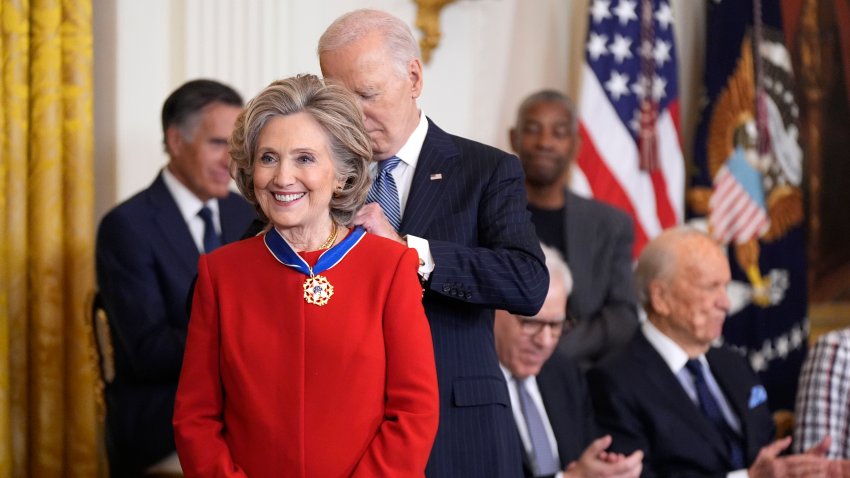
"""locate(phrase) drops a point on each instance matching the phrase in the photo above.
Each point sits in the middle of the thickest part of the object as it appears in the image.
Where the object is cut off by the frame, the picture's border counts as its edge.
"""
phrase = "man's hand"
(821, 448)
(839, 469)
(769, 464)
(372, 218)
(595, 462)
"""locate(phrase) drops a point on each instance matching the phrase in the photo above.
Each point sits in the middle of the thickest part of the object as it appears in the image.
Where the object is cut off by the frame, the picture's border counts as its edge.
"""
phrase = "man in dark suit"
(147, 253)
(694, 409)
(596, 239)
(551, 405)
(461, 205)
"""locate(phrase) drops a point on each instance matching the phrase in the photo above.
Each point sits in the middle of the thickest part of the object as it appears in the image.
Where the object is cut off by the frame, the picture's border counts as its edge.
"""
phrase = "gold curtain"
(47, 376)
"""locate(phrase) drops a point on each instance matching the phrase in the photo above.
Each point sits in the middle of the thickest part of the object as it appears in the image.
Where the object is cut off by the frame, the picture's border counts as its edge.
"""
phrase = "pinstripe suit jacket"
(467, 199)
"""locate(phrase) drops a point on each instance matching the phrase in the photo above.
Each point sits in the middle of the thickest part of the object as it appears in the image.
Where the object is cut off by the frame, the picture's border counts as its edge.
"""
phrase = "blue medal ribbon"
(286, 255)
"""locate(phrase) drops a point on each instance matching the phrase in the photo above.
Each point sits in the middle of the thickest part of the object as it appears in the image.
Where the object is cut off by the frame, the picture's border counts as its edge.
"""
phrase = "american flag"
(737, 206)
(631, 156)
(747, 180)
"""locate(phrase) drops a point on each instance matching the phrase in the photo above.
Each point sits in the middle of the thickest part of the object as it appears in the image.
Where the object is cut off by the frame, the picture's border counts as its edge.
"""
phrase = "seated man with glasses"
(551, 405)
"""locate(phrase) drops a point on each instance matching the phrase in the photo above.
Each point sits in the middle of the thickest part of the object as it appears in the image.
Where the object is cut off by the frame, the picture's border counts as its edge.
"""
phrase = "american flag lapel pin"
(436, 177)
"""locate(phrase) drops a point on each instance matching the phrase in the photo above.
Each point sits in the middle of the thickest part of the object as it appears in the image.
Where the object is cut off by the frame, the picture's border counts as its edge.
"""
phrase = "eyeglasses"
(531, 326)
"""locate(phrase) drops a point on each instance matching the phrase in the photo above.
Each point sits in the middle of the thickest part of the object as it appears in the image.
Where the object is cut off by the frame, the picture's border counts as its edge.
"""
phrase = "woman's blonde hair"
(339, 115)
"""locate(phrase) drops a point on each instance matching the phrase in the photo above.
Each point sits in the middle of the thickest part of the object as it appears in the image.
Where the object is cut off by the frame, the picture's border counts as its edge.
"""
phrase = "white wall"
(492, 53)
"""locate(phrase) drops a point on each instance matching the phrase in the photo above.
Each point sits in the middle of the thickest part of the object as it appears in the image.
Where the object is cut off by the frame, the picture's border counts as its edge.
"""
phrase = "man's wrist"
(426, 261)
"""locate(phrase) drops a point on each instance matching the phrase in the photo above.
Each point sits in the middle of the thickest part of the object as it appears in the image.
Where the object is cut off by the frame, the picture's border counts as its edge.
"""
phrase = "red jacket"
(272, 386)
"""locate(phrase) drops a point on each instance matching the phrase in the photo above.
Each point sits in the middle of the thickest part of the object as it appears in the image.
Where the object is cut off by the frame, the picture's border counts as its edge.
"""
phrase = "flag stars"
(788, 97)
(778, 348)
(782, 347)
(664, 16)
(767, 350)
(757, 362)
(661, 52)
(621, 48)
(659, 88)
(625, 11)
(634, 123)
(596, 46)
(617, 85)
(796, 337)
(600, 10)
(640, 86)
(793, 132)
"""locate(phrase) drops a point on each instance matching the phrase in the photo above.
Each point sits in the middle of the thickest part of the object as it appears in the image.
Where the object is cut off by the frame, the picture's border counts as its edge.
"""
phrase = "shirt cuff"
(738, 474)
(426, 260)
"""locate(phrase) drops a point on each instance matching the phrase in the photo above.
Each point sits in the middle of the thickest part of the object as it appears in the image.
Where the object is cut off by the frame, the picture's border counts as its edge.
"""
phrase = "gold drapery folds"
(47, 377)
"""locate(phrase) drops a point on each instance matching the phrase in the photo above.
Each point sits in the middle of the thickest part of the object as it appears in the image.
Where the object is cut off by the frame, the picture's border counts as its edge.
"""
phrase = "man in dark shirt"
(596, 239)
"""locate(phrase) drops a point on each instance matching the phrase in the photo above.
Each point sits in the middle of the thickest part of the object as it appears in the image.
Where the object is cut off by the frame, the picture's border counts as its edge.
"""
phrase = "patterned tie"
(711, 409)
(385, 193)
(211, 239)
(541, 450)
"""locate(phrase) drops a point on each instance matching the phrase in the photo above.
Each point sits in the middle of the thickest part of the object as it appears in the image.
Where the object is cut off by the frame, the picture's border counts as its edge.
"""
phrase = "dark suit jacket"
(146, 260)
(487, 256)
(639, 401)
(599, 252)
(567, 401)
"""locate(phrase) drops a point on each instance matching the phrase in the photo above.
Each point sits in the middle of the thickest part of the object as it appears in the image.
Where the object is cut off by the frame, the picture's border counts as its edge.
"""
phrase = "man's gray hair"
(353, 26)
(558, 267)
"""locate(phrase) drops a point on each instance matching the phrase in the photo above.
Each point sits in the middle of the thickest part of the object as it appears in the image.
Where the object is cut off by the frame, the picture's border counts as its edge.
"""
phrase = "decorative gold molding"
(428, 21)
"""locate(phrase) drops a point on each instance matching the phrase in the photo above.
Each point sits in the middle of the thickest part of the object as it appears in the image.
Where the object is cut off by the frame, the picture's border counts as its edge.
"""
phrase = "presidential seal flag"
(747, 188)
(631, 154)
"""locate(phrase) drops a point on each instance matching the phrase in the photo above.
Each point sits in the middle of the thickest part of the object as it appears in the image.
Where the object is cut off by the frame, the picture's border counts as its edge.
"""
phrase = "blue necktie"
(711, 409)
(541, 449)
(211, 239)
(385, 193)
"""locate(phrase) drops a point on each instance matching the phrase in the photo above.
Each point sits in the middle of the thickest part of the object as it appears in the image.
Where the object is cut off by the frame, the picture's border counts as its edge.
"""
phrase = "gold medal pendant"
(317, 290)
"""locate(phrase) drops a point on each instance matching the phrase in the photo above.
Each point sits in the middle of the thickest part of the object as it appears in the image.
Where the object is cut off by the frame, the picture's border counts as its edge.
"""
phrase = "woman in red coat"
(308, 354)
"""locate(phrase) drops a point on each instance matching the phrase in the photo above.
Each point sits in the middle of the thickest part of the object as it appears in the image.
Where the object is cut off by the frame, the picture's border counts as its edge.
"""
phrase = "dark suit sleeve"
(618, 413)
(614, 413)
(616, 322)
(130, 287)
(506, 270)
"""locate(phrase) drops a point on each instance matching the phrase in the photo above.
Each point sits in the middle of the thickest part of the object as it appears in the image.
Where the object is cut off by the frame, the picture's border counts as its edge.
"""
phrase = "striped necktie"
(385, 192)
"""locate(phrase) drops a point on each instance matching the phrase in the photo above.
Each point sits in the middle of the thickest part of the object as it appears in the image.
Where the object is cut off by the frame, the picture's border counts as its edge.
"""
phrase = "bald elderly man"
(694, 409)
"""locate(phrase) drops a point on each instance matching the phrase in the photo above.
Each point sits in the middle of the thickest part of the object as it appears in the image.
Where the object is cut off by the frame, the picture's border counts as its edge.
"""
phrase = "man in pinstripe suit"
(462, 206)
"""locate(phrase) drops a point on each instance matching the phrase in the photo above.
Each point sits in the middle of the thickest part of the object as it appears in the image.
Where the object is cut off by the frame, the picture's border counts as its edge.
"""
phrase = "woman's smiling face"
(294, 174)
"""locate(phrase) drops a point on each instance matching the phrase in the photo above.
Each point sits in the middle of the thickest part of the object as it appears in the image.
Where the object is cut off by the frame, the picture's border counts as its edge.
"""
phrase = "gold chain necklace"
(331, 239)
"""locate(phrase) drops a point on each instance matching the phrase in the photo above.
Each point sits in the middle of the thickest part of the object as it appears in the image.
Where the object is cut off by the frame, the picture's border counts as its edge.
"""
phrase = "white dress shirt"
(189, 206)
(403, 177)
(676, 358)
(530, 385)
